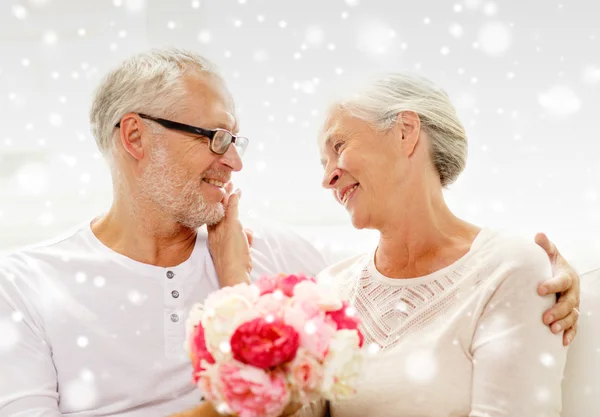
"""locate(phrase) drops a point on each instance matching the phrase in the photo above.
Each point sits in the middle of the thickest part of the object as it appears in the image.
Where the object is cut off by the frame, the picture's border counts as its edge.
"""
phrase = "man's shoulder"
(279, 248)
(26, 259)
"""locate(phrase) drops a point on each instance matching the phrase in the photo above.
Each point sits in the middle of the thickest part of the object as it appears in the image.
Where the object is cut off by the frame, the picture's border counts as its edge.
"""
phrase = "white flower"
(224, 311)
(343, 366)
(194, 317)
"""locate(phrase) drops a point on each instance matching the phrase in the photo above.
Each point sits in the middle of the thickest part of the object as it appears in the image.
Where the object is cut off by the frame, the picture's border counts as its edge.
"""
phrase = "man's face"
(183, 177)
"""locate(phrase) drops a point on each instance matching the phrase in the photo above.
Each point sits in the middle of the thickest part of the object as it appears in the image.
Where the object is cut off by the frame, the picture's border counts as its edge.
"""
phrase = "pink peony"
(305, 374)
(284, 283)
(199, 352)
(266, 284)
(287, 283)
(271, 304)
(208, 384)
(310, 322)
(345, 321)
(252, 392)
(264, 344)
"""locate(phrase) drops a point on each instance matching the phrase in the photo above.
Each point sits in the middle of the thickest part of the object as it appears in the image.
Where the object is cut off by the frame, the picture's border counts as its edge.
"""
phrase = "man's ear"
(409, 124)
(130, 135)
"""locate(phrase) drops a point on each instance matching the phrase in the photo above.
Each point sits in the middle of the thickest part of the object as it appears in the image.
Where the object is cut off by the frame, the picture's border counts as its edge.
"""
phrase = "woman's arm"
(517, 362)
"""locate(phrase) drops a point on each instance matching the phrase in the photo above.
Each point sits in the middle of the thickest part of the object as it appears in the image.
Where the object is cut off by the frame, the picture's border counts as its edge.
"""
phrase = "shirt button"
(175, 294)
(174, 318)
(170, 274)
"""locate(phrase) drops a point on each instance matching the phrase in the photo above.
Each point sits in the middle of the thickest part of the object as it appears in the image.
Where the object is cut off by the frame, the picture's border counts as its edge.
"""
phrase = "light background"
(524, 75)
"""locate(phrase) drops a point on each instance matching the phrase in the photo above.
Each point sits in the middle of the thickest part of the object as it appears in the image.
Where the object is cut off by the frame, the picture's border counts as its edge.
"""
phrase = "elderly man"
(93, 322)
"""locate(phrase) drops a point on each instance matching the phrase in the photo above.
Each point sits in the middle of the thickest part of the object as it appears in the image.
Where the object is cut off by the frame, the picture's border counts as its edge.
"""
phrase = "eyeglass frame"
(208, 133)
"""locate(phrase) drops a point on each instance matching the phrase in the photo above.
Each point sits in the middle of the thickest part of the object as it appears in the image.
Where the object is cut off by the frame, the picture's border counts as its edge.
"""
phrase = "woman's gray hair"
(150, 82)
(386, 96)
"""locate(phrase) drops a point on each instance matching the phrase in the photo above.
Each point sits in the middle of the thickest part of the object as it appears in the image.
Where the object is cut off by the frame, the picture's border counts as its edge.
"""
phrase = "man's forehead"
(209, 94)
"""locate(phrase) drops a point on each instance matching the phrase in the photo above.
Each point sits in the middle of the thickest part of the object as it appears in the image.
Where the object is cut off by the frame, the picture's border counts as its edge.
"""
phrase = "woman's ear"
(409, 124)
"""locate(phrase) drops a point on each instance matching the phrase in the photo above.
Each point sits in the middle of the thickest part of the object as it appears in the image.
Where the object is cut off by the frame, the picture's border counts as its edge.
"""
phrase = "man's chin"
(210, 217)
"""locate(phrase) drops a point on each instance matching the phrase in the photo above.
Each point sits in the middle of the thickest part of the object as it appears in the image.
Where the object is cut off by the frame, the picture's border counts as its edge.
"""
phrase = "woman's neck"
(425, 238)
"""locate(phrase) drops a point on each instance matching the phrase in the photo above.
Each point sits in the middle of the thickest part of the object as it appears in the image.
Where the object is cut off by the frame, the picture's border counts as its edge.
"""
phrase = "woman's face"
(365, 169)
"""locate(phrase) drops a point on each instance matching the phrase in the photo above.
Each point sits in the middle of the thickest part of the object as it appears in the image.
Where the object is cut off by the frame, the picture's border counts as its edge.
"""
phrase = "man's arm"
(28, 382)
(203, 410)
(563, 315)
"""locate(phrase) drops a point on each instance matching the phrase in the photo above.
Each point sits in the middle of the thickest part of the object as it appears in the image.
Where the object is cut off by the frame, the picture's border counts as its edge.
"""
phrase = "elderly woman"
(449, 308)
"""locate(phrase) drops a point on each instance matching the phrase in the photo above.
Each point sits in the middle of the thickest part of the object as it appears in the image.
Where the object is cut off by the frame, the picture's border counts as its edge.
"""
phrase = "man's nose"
(232, 159)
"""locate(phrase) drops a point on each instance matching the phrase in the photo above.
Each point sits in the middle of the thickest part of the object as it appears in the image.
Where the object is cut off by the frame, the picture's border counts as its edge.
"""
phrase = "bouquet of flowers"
(257, 348)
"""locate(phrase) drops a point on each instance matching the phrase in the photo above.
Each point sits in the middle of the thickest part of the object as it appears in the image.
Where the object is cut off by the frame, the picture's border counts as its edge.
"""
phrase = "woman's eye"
(337, 146)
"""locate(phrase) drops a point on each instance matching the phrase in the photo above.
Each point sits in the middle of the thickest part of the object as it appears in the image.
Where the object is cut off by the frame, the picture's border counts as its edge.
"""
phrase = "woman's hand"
(229, 244)
(564, 283)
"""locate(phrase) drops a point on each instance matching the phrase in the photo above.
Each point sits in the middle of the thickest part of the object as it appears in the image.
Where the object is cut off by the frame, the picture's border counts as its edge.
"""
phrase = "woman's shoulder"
(513, 250)
(510, 258)
(343, 270)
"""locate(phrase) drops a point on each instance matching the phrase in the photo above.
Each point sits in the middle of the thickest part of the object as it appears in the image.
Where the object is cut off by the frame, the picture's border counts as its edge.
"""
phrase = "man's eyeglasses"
(220, 139)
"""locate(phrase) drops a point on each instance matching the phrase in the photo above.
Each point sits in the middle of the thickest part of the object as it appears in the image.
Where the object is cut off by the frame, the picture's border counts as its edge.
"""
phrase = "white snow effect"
(456, 30)
(80, 277)
(82, 341)
(494, 38)
(19, 11)
(32, 179)
(375, 38)
(314, 36)
(421, 366)
(99, 281)
(55, 119)
(50, 38)
(490, 8)
(402, 307)
(472, 4)
(261, 55)
(79, 393)
(559, 100)
(547, 360)
(136, 298)
(204, 36)
(135, 6)
(591, 75)
(373, 349)
(543, 394)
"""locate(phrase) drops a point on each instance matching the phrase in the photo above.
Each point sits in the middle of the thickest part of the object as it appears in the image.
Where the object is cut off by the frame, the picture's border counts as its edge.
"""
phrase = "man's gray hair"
(388, 95)
(150, 82)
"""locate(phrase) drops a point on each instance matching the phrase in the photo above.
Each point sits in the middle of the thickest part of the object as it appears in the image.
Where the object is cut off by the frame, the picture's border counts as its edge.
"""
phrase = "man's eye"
(337, 146)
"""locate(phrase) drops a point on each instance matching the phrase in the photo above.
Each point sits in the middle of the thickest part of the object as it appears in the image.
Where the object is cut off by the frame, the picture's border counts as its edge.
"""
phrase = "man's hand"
(564, 283)
(205, 409)
(229, 245)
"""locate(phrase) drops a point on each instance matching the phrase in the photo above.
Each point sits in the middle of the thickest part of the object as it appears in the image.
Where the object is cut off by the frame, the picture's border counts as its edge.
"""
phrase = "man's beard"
(177, 193)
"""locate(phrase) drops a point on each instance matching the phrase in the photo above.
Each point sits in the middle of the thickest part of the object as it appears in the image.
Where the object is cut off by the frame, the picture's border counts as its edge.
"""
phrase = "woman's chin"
(359, 222)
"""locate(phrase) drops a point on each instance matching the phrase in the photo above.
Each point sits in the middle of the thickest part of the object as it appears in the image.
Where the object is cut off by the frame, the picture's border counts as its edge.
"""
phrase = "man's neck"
(144, 236)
